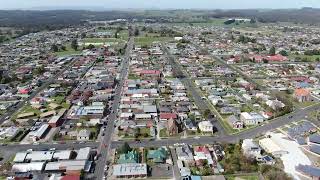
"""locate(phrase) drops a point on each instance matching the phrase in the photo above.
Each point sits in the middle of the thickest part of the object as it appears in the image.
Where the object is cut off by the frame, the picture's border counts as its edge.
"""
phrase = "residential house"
(157, 156)
(251, 118)
(250, 148)
(130, 157)
(166, 116)
(185, 154)
(201, 154)
(235, 122)
(83, 135)
(172, 128)
(205, 126)
(302, 95)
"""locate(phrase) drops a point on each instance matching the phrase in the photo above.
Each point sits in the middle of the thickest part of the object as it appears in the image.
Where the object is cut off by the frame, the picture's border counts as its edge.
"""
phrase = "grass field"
(251, 177)
(113, 42)
(101, 40)
(142, 41)
(68, 51)
(305, 57)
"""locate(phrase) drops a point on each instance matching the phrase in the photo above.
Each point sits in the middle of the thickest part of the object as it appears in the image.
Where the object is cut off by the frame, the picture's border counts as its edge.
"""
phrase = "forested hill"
(61, 18)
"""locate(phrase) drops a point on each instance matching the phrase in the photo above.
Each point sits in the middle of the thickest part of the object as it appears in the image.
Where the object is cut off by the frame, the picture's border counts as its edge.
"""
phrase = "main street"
(104, 146)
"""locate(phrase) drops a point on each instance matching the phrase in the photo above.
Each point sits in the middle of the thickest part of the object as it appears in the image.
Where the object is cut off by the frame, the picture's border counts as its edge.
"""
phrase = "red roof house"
(166, 116)
(277, 58)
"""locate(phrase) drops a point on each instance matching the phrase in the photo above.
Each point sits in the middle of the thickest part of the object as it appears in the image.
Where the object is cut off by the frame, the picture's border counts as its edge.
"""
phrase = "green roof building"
(157, 156)
(130, 157)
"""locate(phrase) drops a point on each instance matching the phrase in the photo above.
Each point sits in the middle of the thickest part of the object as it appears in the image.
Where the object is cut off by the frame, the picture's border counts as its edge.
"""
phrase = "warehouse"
(271, 147)
(28, 167)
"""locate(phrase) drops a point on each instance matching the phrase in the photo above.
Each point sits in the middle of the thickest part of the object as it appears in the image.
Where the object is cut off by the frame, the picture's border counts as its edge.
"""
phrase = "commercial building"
(130, 170)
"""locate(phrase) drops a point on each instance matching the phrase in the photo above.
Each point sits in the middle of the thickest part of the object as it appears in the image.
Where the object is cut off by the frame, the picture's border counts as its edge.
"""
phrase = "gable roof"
(302, 92)
(168, 116)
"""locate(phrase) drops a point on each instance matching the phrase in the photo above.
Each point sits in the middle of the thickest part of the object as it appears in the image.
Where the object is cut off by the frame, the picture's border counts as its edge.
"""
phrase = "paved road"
(104, 146)
(264, 128)
(176, 170)
(188, 83)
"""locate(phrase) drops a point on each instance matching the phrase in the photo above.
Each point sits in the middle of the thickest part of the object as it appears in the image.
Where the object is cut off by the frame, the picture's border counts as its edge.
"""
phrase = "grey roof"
(308, 170)
(83, 153)
(183, 109)
(165, 109)
(315, 149)
(130, 169)
(299, 130)
(150, 109)
(301, 140)
(84, 133)
(232, 119)
(314, 138)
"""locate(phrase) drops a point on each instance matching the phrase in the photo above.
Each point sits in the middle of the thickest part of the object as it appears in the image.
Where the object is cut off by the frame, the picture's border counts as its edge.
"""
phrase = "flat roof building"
(130, 170)
(27, 167)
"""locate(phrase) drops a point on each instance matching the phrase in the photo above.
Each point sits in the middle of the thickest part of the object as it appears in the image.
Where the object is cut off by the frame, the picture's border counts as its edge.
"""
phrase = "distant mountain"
(52, 8)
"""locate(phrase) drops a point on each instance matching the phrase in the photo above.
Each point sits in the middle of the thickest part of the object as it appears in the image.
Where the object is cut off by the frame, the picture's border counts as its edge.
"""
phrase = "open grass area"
(124, 35)
(305, 58)
(68, 51)
(146, 41)
(304, 104)
(113, 42)
(248, 177)
(163, 132)
(101, 40)
(28, 109)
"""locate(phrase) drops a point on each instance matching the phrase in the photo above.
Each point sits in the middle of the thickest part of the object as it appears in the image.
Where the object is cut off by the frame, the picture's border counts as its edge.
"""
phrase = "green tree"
(63, 48)
(54, 48)
(39, 70)
(283, 53)
(272, 50)
(125, 148)
(136, 32)
(206, 113)
(74, 44)
(83, 35)
(90, 46)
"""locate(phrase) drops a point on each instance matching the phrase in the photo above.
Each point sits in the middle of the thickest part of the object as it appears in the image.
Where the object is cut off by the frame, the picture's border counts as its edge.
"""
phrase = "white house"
(250, 148)
(83, 135)
(251, 118)
(205, 126)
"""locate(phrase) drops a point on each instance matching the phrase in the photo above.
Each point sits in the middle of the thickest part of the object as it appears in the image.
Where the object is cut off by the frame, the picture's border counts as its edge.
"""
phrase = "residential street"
(252, 133)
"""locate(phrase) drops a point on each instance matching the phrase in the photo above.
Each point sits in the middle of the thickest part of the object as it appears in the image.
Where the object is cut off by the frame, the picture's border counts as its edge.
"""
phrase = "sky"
(157, 4)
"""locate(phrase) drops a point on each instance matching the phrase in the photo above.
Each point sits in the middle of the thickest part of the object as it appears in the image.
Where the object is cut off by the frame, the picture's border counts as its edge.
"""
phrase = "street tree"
(125, 148)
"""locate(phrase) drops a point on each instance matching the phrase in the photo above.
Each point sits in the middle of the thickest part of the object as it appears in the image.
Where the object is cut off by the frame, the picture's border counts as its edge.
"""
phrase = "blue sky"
(161, 4)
